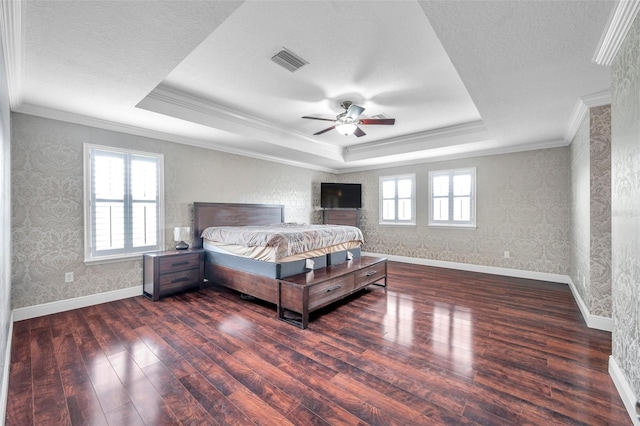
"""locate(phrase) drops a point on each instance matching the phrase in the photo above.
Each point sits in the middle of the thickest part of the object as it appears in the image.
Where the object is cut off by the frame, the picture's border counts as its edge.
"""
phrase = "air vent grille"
(288, 60)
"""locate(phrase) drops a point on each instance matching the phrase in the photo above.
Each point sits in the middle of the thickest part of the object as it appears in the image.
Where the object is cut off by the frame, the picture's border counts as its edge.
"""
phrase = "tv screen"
(340, 195)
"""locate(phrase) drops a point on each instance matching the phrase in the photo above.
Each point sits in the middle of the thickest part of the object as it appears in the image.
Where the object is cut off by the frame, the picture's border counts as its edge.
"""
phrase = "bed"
(286, 278)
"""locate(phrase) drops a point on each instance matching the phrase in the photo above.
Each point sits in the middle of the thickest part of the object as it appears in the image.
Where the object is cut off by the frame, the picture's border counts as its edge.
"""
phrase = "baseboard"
(4, 391)
(28, 312)
(495, 270)
(625, 391)
(592, 321)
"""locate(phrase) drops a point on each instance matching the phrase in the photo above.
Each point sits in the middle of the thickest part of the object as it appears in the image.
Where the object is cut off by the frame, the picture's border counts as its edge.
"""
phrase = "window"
(398, 200)
(123, 203)
(452, 195)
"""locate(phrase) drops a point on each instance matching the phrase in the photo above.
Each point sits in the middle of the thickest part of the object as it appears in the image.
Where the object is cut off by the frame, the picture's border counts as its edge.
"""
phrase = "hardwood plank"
(222, 410)
(49, 404)
(149, 404)
(20, 406)
(82, 401)
(436, 346)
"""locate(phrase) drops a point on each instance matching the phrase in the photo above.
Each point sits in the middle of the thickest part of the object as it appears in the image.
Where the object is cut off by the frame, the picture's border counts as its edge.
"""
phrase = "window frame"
(128, 252)
(396, 221)
(452, 223)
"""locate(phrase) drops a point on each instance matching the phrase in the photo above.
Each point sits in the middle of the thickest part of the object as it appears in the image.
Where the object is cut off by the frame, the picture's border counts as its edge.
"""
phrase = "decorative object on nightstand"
(181, 233)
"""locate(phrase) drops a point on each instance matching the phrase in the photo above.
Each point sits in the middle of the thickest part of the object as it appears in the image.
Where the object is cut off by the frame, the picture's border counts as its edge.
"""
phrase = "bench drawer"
(370, 275)
(329, 291)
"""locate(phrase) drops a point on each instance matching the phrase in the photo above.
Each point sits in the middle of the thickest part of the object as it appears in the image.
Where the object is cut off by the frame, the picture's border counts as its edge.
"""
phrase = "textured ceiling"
(461, 78)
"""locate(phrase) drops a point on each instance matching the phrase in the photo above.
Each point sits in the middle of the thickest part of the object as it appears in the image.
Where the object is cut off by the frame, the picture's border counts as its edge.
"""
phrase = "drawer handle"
(180, 263)
(335, 287)
(370, 273)
(177, 280)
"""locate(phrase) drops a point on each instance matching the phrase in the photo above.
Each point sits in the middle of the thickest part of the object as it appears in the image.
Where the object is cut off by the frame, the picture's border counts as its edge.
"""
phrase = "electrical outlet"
(68, 277)
(506, 254)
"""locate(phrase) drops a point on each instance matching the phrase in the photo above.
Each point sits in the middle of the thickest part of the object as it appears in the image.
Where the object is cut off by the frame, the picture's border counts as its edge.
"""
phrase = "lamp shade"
(181, 233)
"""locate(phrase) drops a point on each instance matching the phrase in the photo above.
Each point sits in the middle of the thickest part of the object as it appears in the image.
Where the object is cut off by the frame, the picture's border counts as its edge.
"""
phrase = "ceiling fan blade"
(359, 132)
(318, 118)
(325, 130)
(378, 121)
(354, 111)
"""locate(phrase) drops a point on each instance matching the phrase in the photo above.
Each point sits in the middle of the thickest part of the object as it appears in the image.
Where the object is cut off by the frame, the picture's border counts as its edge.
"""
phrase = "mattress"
(282, 242)
(270, 254)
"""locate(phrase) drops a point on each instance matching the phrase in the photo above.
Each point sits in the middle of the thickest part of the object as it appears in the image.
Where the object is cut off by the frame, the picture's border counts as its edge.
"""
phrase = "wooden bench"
(305, 293)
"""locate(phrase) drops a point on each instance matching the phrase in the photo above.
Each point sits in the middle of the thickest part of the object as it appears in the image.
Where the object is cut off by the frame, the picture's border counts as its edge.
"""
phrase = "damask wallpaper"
(600, 210)
(5, 228)
(580, 266)
(522, 207)
(590, 255)
(625, 193)
(47, 229)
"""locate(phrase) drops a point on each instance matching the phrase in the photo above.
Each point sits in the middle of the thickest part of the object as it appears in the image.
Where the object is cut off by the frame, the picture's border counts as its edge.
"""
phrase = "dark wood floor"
(437, 347)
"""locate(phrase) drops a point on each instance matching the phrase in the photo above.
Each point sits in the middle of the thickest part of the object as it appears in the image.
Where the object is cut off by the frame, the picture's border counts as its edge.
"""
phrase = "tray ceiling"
(461, 78)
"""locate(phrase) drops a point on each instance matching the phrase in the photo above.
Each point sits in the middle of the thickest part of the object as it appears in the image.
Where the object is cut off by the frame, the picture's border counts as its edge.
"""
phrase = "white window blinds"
(124, 191)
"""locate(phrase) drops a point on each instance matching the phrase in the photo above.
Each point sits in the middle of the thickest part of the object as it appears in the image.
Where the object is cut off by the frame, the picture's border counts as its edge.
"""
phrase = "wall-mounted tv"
(340, 195)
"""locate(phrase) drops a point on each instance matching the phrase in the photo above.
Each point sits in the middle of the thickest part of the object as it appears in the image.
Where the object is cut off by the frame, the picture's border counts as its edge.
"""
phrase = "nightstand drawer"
(178, 263)
(178, 281)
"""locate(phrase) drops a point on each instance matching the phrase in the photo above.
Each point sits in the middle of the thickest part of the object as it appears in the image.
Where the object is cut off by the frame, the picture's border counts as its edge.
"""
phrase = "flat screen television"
(340, 195)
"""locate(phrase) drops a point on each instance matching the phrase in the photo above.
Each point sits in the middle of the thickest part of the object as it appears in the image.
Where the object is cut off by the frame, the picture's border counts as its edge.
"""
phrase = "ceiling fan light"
(346, 129)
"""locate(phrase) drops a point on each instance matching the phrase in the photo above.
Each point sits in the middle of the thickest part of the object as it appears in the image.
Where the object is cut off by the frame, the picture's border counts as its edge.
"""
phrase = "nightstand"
(168, 272)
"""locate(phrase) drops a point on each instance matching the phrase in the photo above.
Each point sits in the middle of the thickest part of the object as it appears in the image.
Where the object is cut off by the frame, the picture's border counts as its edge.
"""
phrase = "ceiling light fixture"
(346, 129)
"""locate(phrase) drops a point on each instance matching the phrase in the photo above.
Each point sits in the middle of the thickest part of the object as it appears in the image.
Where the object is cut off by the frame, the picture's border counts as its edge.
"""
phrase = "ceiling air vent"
(289, 60)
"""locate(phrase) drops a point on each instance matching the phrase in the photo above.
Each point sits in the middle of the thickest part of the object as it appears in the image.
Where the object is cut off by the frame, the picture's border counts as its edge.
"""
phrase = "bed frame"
(301, 293)
(225, 214)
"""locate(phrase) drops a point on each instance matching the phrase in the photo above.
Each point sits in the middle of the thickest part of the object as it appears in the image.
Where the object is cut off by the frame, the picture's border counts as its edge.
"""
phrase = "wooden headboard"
(228, 214)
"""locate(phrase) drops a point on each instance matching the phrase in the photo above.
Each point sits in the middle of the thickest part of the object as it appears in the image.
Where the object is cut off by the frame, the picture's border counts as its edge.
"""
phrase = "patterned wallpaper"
(522, 207)
(5, 223)
(625, 193)
(47, 229)
(590, 255)
(580, 266)
(600, 209)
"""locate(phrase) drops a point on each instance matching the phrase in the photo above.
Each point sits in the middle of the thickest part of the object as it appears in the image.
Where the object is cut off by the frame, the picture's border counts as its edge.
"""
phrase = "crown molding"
(620, 20)
(581, 109)
(11, 17)
(177, 103)
(464, 133)
(69, 117)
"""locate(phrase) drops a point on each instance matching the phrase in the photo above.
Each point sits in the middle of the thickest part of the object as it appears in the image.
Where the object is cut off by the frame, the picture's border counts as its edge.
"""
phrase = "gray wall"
(625, 224)
(5, 223)
(522, 207)
(590, 242)
(47, 229)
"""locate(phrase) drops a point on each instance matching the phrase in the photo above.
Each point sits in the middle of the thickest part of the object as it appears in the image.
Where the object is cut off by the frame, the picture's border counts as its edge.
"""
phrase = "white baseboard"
(592, 321)
(4, 391)
(542, 276)
(625, 391)
(28, 312)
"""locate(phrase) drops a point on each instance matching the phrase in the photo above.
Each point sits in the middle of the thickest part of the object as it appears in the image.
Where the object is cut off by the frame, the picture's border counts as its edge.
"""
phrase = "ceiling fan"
(346, 123)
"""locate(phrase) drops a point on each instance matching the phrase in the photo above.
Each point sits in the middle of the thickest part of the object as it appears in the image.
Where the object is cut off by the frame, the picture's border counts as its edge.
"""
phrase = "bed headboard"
(229, 214)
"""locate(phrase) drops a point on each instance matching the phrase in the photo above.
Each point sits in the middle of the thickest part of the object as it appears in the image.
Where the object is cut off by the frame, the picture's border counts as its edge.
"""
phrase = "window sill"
(395, 224)
(451, 226)
(114, 259)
